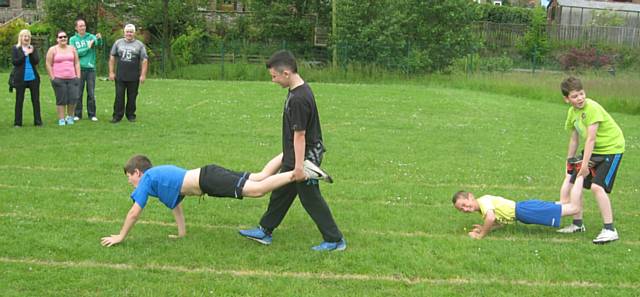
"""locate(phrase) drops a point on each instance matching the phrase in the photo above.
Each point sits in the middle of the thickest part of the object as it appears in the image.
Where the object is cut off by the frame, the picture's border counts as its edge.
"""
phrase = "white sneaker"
(606, 236)
(94, 119)
(572, 229)
(76, 119)
(314, 172)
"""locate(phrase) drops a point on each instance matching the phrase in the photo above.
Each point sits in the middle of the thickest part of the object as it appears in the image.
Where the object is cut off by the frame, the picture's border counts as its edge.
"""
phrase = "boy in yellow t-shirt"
(498, 211)
(603, 146)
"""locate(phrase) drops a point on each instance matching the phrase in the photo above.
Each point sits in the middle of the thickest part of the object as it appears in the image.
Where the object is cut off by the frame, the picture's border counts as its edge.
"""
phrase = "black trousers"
(34, 89)
(131, 89)
(312, 201)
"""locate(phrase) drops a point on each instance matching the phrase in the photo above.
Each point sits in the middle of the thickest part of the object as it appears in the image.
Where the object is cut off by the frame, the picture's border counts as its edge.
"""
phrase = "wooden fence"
(508, 35)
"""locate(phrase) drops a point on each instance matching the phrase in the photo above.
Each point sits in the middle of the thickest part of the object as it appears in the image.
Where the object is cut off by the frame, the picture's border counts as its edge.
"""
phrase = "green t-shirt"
(86, 54)
(609, 138)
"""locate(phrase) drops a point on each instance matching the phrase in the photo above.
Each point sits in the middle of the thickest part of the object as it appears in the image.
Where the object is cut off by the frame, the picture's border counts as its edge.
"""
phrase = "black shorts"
(606, 169)
(217, 181)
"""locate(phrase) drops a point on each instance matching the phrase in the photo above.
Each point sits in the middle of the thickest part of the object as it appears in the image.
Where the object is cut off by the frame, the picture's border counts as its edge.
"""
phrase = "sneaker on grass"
(572, 229)
(258, 234)
(331, 246)
(606, 236)
(314, 172)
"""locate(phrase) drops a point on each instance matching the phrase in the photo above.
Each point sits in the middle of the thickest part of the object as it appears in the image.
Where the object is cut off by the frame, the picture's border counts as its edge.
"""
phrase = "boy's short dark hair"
(140, 162)
(459, 195)
(570, 84)
(283, 60)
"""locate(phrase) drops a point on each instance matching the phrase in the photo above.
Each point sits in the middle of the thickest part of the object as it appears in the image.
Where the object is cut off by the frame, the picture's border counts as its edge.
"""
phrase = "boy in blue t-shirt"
(170, 184)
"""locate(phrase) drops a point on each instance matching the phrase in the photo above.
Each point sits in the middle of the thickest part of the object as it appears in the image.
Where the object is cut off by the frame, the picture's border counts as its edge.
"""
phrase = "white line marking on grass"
(60, 188)
(197, 104)
(413, 234)
(315, 275)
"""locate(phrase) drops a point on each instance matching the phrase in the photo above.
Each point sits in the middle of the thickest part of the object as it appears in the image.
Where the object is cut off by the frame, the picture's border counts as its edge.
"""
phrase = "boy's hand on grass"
(474, 234)
(111, 240)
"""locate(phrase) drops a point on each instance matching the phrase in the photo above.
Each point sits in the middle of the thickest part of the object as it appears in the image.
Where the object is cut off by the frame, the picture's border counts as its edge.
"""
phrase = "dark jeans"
(312, 201)
(88, 78)
(131, 88)
(34, 89)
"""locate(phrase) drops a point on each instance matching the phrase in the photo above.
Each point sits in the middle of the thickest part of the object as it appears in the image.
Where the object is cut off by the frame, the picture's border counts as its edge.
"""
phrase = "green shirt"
(609, 138)
(87, 54)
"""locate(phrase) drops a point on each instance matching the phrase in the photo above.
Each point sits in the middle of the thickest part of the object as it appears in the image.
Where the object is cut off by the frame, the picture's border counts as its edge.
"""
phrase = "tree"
(410, 35)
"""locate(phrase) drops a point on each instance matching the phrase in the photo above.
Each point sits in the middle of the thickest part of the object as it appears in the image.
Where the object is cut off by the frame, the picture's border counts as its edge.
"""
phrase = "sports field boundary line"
(316, 275)
(407, 234)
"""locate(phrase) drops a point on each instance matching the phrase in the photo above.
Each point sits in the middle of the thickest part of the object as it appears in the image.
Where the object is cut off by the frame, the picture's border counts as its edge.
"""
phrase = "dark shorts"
(606, 169)
(217, 181)
(67, 90)
(539, 212)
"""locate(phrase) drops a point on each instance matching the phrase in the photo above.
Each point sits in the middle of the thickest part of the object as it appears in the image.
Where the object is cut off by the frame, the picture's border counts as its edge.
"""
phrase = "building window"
(5, 3)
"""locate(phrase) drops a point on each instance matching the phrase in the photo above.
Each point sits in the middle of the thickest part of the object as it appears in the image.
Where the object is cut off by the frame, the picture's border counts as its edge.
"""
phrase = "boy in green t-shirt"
(602, 153)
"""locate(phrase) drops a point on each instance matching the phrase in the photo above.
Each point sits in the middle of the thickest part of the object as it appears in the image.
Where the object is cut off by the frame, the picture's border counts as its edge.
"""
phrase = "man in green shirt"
(85, 43)
(604, 145)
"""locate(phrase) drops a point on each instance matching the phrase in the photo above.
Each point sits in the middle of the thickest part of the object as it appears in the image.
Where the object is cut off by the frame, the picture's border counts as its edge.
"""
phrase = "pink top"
(63, 66)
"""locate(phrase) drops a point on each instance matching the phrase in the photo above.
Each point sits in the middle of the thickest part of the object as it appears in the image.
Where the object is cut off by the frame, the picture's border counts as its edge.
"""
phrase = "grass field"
(397, 154)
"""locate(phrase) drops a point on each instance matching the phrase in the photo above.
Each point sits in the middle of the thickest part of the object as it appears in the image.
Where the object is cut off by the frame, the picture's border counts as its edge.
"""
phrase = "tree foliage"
(278, 20)
(411, 35)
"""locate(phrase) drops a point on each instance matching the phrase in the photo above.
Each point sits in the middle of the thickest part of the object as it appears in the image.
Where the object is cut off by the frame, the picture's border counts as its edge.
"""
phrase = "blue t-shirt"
(29, 75)
(163, 182)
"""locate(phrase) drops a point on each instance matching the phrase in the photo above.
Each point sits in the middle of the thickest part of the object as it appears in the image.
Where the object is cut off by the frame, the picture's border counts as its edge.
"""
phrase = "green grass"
(397, 153)
(614, 93)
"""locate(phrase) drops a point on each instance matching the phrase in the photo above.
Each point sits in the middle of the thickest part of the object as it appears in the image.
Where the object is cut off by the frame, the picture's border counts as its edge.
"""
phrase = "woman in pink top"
(63, 66)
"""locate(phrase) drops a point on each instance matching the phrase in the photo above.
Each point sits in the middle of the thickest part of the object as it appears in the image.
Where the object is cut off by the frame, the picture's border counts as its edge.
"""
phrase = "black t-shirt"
(301, 114)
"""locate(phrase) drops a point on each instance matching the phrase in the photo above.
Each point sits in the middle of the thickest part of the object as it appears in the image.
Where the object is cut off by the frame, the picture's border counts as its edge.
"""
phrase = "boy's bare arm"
(574, 142)
(481, 231)
(178, 214)
(588, 148)
(131, 219)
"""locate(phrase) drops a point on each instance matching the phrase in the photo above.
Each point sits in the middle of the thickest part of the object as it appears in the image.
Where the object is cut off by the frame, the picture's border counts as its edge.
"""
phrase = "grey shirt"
(129, 55)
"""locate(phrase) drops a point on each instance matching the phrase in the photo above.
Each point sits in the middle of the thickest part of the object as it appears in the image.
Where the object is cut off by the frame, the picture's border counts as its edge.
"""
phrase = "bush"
(8, 38)
(580, 59)
(534, 45)
(505, 14)
(190, 48)
(492, 64)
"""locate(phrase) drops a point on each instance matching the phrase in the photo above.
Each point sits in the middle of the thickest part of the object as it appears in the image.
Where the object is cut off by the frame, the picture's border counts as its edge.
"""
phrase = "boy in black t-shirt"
(301, 139)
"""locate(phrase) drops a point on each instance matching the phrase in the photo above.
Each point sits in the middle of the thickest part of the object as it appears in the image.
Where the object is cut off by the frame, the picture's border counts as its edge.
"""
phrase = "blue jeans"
(88, 78)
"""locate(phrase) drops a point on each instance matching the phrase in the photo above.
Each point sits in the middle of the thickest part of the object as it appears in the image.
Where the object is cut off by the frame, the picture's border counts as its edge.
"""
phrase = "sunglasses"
(62, 37)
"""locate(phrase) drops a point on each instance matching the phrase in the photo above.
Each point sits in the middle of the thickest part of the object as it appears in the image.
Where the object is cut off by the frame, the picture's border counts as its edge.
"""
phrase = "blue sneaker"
(61, 122)
(258, 234)
(331, 246)
(69, 120)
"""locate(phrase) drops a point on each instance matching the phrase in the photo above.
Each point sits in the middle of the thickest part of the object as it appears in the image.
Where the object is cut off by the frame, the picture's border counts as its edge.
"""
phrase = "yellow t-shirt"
(609, 138)
(504, 209)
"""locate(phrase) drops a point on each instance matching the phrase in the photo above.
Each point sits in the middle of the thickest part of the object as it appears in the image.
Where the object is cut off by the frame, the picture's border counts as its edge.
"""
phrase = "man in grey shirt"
(131, 58)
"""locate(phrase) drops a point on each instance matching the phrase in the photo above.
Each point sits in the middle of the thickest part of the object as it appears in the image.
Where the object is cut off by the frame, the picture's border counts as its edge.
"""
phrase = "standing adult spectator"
(63, 66)
(131, 57)
(25, 60)
(85, 44)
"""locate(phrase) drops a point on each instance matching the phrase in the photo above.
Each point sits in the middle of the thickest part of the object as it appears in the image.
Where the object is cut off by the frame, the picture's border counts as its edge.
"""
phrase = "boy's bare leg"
(566, 194)
(575, 195)
(272, 167)
(603, 203)
(260, 188)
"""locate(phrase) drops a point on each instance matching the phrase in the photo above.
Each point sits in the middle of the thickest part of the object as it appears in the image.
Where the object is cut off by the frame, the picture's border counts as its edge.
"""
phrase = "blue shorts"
(539, 212)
